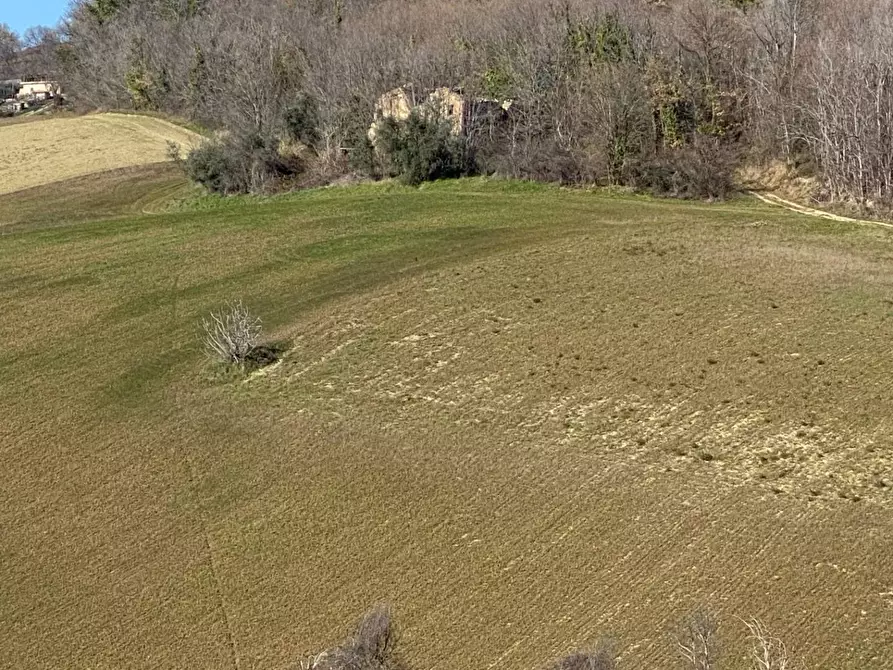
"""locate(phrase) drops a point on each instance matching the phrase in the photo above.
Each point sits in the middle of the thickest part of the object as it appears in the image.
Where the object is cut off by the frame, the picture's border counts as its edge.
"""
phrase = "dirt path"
(771, 199)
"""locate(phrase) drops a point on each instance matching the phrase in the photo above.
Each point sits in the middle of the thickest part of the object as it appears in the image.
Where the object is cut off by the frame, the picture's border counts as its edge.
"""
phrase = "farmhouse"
(463, 112)
(17, 95)
(37, 91)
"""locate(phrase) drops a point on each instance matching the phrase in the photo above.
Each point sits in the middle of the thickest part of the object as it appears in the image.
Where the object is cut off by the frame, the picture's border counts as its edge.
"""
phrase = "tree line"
(32, 55)
(670, 95)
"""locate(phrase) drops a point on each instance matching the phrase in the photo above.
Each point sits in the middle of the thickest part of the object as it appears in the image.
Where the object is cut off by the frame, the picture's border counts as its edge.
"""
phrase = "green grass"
(139, 286)
(118, 194)
(148, 280)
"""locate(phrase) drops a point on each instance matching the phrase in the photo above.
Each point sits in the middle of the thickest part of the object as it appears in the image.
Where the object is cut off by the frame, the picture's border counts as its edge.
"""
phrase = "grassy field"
(524, 416)
(57, 149)
(141, 189)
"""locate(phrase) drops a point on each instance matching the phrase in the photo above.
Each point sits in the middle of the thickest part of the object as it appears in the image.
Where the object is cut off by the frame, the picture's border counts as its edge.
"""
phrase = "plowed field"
(525, 417)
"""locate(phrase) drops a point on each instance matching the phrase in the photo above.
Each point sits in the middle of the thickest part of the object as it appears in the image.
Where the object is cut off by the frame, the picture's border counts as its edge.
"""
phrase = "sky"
(22, 14)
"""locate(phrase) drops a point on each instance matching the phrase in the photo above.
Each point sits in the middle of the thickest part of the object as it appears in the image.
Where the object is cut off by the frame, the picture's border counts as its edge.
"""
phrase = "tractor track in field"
(777, 201)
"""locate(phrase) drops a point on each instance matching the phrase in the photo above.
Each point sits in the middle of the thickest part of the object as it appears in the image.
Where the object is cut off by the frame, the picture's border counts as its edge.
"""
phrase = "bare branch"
(697, 641)
(231, 334)
(767, 652)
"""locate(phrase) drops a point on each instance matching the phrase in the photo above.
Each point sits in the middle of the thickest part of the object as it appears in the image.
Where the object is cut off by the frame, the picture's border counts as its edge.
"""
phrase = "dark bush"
(371, 647)
(544, 159)
(703, 169)
(422, 148)
(248, 164)
(602, 657)
(361, 157)
(212, 166)
(302, 121)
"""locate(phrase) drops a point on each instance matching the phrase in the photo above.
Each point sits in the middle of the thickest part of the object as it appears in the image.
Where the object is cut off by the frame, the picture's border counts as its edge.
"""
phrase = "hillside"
(56, 149)
(665, 97)
(110, 194)
(524, 416)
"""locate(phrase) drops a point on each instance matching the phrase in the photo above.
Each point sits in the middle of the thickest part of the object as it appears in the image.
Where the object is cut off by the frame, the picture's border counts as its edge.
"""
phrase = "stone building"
(450, 104)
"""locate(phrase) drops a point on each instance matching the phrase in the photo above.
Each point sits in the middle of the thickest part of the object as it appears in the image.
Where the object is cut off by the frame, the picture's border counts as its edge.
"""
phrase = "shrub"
(350, 127)
(302, 121)
(602, 657)
(361, 156)
(697, 641)
(211, 166)
(232, 334)
(543, 159)
(370, 647)
(240, 164)
(374, 640)
(422, 148)
(174, 152)
(702, 170)
(767, 652)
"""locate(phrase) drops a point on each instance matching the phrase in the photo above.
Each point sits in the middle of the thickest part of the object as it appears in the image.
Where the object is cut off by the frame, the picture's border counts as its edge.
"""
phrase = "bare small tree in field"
(601, 657)
(697, 641)
(232, 334)
(371, 647)
(767, 652)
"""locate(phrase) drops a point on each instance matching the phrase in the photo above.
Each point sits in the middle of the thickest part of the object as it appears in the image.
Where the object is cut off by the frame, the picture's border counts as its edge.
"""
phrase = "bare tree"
(767, 652)
(10, 45)
(784, 32)
(600, 657)
(697, 641)
(849, 107)
(593, 82)
(372, 646)
(231, 334)
(40, 54)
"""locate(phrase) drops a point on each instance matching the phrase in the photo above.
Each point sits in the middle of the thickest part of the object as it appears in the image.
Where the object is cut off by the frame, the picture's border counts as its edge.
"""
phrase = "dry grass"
(527, 418)
(57, 149)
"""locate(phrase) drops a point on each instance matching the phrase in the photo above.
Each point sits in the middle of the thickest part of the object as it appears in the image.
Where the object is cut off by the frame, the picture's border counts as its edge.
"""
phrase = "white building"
(37, 90)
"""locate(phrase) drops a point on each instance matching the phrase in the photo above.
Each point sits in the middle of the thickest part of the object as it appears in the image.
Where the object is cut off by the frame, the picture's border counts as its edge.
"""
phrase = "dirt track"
(772, 199)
